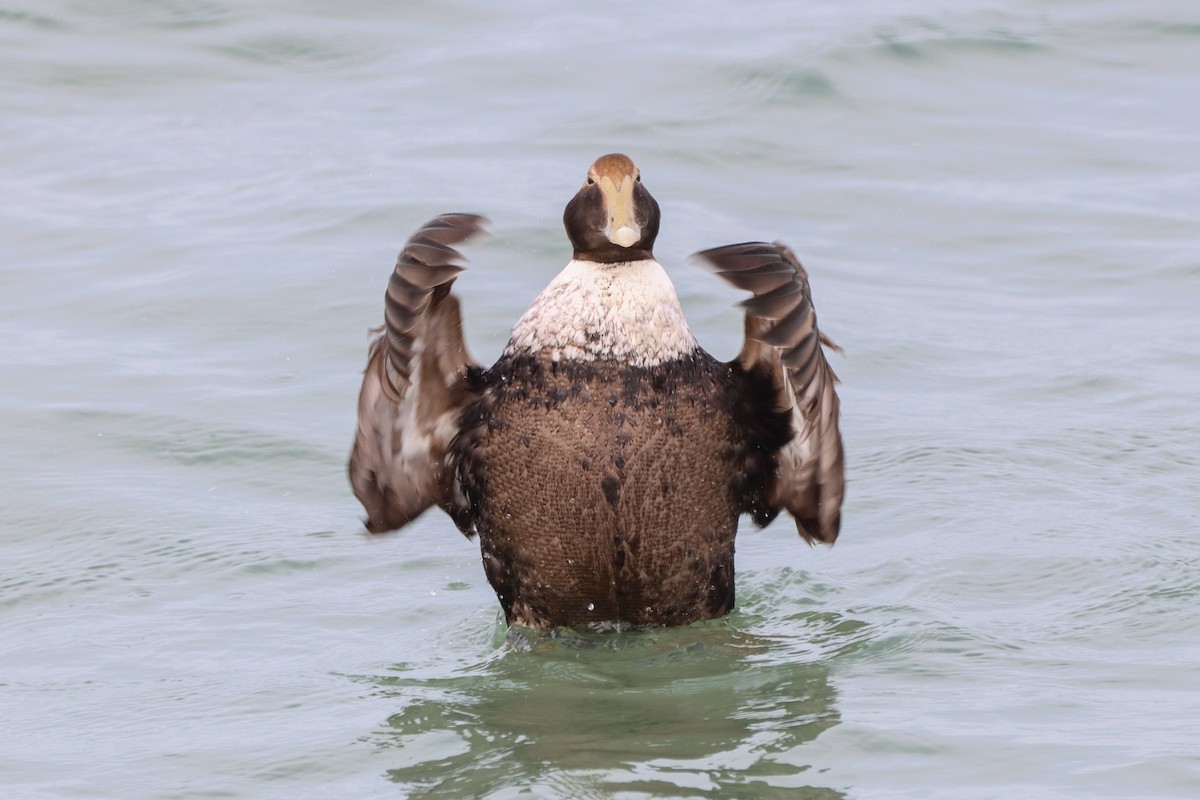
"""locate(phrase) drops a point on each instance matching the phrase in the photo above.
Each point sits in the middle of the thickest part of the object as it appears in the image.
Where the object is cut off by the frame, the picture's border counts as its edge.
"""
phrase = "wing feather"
(783, 340)
(415, 384)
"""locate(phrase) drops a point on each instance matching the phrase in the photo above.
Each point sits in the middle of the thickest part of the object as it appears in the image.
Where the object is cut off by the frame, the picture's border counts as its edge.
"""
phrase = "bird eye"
(638, 177)
(591, 181)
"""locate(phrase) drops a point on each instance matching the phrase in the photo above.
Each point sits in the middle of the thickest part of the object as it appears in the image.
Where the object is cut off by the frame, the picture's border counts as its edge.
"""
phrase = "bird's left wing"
(415, 385)
(784, 343)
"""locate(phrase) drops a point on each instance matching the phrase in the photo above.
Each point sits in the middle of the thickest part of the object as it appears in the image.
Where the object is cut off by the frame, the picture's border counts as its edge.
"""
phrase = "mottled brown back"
(605, 493)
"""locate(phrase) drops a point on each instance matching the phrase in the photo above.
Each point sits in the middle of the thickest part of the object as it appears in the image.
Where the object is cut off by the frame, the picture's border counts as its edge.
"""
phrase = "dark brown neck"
(613, 254)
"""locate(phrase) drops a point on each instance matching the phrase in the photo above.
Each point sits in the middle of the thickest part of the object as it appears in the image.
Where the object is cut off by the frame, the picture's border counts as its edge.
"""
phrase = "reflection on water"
(709, 710)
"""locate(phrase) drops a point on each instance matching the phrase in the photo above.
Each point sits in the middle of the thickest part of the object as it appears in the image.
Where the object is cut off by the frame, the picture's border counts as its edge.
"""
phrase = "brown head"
(612, 217)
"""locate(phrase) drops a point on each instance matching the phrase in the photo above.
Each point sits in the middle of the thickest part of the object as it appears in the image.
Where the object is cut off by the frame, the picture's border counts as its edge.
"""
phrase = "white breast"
(626, 312)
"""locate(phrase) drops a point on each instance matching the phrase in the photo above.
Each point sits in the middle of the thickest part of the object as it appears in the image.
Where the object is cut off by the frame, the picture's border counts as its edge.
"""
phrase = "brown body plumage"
(605, 459)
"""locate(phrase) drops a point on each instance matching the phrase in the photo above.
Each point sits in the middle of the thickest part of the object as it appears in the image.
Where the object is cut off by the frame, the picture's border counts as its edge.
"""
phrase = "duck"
(604, 461)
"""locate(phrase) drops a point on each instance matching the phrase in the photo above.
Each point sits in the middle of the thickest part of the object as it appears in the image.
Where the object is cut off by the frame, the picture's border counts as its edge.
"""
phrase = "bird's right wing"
(415, 384)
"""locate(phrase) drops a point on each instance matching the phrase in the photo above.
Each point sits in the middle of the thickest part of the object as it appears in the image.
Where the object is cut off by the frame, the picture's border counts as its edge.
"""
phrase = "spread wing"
(782, 340)
(415, 384)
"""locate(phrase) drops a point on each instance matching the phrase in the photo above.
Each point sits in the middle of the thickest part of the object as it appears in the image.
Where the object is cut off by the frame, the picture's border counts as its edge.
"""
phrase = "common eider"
(605, 459)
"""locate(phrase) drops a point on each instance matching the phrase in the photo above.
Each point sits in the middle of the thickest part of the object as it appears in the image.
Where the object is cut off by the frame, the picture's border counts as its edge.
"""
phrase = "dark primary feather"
(782, 338)
(415, 383)
(425, 268)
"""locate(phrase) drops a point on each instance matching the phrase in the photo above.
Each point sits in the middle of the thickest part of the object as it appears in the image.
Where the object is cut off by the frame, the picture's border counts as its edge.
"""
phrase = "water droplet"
(591, 606)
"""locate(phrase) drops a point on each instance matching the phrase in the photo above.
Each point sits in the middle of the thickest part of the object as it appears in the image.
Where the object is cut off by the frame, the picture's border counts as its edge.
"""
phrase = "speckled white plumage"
(625, 312)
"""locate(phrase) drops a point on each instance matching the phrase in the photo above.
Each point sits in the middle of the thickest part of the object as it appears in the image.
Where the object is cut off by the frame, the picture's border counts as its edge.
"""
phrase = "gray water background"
(998, 203)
